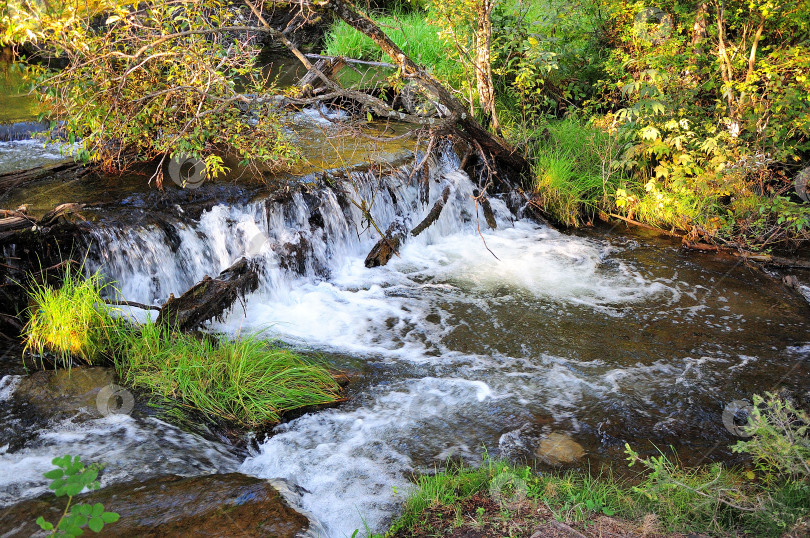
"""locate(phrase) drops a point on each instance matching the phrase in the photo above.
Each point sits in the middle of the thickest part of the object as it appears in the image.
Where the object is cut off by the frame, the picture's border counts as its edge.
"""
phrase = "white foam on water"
(8, 384)
(26, 154)
(353, 462)
(130, 449)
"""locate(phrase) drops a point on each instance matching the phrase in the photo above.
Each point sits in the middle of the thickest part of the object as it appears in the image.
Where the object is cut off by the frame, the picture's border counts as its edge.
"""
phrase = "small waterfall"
(307, 235)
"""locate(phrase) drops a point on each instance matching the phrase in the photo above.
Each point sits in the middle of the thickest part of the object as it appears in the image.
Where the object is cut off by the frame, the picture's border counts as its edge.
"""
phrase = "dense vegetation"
(688, 116)
(693, 116)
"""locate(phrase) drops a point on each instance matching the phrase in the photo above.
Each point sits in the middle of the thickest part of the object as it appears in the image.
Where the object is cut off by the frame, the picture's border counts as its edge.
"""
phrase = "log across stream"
(599, 337)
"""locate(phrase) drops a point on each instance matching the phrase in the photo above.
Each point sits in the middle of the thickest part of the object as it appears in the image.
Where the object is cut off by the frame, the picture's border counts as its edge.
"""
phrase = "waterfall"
(308, 235)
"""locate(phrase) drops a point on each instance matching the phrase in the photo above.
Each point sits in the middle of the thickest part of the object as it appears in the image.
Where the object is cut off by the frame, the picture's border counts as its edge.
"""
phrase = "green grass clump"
(411, 32)
(71, 322)
(247, 381)
(571, 169)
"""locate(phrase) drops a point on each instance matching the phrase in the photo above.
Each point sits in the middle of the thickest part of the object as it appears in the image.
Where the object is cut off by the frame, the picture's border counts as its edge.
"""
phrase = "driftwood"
(209, 298)
(489, 215)
(16, 221)
(350, 60)
(434, 213)
(311, 84)
(132, 304)
(388, 245)
(397, 233)
(10, 180)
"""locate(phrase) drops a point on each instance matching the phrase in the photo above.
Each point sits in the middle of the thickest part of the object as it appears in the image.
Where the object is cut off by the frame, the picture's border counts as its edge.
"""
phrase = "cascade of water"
(315, 291)
(468, 338)
(309, 235)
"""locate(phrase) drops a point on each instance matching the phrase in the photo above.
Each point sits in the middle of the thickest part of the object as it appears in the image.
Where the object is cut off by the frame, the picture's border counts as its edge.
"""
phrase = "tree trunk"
(483, 64)
(701, 22)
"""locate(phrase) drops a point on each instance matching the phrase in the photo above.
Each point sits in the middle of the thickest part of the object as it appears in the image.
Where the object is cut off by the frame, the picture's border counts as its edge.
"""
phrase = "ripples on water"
(602, 337)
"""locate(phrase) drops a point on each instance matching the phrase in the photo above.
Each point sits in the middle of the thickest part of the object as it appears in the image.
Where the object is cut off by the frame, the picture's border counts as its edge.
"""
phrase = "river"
(471, 340)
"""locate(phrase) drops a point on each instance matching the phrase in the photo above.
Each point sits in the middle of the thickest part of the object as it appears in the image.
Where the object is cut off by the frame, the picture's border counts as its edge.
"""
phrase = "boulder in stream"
(230, 504)
(559, 449)
(58, 392)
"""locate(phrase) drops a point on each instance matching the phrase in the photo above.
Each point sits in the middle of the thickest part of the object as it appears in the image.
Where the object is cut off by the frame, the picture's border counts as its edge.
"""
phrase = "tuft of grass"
(71, 322)
(248, 381)
(565, 192)
(571, 169)
(410, 31)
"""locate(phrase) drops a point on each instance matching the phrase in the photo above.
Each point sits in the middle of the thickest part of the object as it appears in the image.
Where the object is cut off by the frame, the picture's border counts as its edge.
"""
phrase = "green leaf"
(98, 509)
(110, 517)
(95, 524)
(44, 525)
(73, 489)
(54, 473)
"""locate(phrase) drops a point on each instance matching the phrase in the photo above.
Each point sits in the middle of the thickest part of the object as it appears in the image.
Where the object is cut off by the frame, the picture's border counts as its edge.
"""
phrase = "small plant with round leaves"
(70, 477)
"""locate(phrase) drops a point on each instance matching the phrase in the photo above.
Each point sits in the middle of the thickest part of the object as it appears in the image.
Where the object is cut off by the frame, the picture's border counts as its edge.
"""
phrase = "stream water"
(467, 341)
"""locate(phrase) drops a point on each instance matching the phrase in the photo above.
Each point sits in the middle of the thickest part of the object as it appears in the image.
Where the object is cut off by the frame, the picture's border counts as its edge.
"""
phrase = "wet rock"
(230, 504)
(559, 449)
(58, 392)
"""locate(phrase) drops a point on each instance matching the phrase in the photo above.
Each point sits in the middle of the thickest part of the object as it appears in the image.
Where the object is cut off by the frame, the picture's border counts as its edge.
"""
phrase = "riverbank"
(662, 500)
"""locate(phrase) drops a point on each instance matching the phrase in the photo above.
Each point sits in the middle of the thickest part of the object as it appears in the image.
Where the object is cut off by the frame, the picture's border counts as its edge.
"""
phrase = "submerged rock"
(230, 504)
(56, 392)
(559, 449)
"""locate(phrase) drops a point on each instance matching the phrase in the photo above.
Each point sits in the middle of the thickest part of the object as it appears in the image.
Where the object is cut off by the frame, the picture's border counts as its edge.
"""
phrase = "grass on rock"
(69, 322)
(247, 381)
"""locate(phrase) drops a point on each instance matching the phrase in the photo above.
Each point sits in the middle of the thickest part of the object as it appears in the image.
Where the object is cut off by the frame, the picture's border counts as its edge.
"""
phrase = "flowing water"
(467, 341)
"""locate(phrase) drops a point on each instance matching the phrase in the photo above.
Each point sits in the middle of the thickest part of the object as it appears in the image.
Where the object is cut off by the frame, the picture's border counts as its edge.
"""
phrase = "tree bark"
(483, 63)
(209, 298)
(699, 32)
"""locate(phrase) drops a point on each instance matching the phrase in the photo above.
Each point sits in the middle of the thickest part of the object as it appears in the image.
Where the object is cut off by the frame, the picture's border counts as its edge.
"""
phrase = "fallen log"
(10, 180)
(210, 298)
(388, 245)
(311, 84)
(10, 224)
(16, 221)
(397, 233)
(434, 213)
(60, 211)
(489, 214)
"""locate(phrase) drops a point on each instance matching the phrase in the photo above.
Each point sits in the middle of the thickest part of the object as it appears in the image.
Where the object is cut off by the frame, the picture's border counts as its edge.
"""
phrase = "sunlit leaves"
(139, 87)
